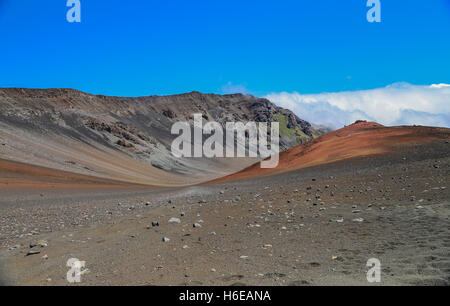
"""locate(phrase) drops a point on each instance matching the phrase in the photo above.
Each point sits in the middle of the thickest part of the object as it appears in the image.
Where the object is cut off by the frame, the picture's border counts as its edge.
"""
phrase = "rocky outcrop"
(146, 118)
(137, 126)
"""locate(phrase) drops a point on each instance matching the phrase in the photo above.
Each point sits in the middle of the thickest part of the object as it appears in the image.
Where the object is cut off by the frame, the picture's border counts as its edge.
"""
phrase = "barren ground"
(313, 226)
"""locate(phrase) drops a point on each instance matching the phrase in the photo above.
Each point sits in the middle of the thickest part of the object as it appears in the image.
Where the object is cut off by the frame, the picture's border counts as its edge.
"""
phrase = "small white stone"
(174, 220)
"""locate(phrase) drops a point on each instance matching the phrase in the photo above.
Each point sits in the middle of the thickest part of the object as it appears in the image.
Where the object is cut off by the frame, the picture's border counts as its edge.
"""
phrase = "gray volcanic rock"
(137, 127)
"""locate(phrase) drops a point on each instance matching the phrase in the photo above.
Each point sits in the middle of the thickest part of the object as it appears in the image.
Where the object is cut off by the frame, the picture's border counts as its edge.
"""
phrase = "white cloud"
(396, 104)
(442, 85)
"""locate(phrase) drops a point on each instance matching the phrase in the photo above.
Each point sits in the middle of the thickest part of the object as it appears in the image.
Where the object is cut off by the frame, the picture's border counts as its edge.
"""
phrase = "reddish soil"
(21, 175)
(360, 139)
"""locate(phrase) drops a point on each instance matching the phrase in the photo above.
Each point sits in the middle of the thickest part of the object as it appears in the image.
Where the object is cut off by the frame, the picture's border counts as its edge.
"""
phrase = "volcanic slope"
(361, 139)
(124, 139)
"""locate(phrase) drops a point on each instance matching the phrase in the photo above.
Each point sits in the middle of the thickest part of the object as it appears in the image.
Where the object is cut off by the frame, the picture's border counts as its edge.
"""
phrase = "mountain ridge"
(128, 138)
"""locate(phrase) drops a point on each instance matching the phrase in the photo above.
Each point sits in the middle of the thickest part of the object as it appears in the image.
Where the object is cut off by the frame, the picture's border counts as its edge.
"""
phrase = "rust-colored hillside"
(357, 140)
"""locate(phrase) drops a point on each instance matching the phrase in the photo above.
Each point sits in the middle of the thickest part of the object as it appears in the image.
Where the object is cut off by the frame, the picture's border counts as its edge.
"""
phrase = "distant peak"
(363, 124)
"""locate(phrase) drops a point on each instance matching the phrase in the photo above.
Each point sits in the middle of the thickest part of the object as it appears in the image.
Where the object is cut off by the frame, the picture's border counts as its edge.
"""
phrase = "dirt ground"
(313, 226)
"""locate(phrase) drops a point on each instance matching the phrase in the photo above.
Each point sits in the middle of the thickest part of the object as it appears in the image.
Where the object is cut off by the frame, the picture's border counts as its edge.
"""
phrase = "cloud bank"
(396, 104)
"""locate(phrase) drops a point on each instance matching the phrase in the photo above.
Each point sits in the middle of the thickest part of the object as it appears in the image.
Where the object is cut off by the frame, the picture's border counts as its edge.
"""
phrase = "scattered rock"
(174, 220)
(14, 247)
(32, 252)
(40, 243)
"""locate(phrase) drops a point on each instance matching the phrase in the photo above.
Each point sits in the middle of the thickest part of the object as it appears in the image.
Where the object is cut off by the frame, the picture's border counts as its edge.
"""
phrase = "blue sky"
(135, 47)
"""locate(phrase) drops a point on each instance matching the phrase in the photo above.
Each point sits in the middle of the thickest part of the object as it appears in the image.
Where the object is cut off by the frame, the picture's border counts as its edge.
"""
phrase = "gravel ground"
(315, 226)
